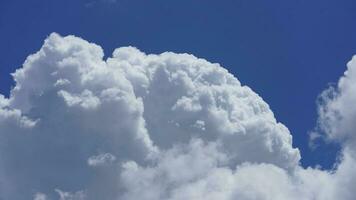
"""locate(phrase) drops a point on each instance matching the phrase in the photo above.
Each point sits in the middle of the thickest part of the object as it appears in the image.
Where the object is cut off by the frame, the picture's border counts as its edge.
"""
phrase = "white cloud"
(40, 196)
(337, 117)
(101, 160)
(337, 110)
(176, 127)
(80, 195)
(3, 101)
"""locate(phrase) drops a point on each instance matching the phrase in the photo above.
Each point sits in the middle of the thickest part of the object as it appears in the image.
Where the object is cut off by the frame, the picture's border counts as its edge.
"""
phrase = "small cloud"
(40, 196)
(314, 136)
(199, 124)
(101, 160)
(80, 195)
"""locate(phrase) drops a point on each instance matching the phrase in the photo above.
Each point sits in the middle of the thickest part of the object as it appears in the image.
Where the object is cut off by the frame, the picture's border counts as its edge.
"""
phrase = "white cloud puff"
(101, 159)
(176, 127)
(40, 196)
(337, 110)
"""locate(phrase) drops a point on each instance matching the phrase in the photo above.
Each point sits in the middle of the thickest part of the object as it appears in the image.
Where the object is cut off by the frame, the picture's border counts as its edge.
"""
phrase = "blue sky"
(286, 51)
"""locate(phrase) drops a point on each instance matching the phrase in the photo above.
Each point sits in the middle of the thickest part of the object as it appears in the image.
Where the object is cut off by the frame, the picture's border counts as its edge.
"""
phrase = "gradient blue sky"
(286, 51)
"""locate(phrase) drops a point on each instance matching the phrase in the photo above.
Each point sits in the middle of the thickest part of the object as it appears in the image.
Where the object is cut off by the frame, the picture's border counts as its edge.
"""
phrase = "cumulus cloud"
(174, 127)
(337, 110)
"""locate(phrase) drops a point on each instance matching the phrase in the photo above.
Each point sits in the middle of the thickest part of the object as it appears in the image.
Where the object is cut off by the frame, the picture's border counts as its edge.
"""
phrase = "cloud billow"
(168, 126)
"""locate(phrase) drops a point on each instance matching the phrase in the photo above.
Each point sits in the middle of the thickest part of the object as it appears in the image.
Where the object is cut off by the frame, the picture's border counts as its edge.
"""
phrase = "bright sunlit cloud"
(168, 126)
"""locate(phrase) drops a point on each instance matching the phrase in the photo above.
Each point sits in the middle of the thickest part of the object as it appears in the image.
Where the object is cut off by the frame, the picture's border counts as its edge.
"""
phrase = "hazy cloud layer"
(168, 126)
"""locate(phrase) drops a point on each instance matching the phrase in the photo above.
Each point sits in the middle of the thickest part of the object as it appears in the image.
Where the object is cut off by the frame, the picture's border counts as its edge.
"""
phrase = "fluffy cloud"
(172, 126)
(337, 117)
(336, 109)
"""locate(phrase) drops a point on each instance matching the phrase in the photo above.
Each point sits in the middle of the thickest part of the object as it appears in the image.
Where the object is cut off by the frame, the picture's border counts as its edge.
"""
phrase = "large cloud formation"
(157, 127)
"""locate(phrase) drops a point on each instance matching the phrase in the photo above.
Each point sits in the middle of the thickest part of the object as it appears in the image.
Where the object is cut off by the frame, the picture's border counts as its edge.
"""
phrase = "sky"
(288, 52)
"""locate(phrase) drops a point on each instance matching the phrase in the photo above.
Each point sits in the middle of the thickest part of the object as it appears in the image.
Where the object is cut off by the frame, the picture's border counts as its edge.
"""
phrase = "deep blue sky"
(285, 50)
